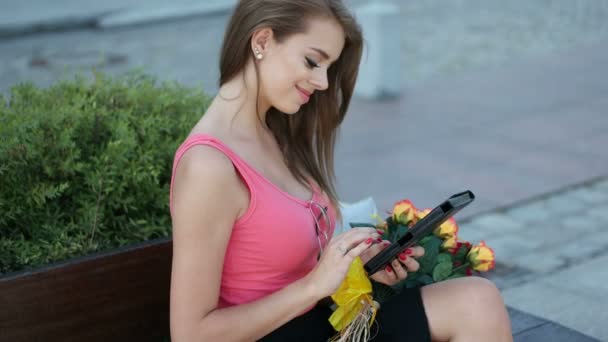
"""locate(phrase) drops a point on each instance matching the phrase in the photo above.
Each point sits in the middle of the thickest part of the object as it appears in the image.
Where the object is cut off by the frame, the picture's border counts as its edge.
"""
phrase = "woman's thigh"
(310, 327)
(472, 300)
(402, 318)
(416, 315)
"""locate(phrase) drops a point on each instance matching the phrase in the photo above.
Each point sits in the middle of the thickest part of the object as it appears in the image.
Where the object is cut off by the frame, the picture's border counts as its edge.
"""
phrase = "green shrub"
(86, 165)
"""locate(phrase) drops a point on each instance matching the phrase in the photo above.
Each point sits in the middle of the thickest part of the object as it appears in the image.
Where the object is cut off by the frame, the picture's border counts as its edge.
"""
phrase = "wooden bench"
(123, 295)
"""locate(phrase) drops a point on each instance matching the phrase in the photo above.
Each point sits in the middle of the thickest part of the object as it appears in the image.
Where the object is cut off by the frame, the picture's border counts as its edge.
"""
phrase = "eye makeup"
(311, 64)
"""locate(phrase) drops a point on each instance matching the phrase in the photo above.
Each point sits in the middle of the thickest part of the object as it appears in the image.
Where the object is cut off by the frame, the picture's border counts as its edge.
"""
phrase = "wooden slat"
(122, 295)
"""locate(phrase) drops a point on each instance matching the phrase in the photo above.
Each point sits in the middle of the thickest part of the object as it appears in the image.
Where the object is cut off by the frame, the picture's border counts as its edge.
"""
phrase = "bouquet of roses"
(446, 257)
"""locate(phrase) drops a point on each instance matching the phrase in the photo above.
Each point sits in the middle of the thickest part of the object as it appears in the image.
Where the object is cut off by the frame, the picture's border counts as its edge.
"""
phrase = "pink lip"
(303, 94)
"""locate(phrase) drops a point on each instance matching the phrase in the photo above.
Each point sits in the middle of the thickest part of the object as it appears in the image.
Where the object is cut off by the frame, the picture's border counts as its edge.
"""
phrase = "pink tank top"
(275, 242)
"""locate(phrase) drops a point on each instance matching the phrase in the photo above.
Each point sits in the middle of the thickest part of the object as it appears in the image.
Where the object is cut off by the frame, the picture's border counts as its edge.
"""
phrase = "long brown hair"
(307, 139)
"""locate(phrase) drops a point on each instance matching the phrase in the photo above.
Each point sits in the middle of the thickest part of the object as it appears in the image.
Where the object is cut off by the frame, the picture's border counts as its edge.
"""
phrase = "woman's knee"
(487, 300)
(483, 292)
(477, 301)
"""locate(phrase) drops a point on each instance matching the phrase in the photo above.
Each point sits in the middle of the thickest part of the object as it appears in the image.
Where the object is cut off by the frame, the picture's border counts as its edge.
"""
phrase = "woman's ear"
(260, 41)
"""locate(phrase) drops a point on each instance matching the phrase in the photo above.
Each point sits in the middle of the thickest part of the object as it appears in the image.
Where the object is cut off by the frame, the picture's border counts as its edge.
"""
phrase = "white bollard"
(380, 70)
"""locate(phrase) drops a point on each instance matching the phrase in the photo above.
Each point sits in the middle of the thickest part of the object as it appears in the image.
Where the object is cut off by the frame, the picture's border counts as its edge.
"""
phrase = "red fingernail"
(368, 241)
(386, 243)
(408, 251)
(388, 269)
(402, 256)
(380, 231)
(379, 239)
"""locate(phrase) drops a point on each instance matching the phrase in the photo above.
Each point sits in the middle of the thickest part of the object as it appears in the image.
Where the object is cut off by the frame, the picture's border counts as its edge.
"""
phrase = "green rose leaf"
(413, 275)
(456, 275)
(425, 240)
(443, 258)
(401, 231)
(442, 271)
(461, 254)
(431, 251)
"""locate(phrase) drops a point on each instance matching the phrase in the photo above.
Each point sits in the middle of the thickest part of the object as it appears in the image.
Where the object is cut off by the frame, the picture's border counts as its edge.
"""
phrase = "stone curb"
(165, 13)
(114, 18)
(50, 25)
(596, 181)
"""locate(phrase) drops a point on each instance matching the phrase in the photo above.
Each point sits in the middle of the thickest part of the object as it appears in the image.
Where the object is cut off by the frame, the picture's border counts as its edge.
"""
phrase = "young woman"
(254, 205)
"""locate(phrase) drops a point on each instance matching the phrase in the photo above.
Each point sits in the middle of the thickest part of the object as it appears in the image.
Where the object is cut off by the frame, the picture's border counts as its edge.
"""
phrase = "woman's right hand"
(336, 258)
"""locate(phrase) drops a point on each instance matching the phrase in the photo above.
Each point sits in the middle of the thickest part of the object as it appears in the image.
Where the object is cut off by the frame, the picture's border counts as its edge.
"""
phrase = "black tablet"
(422, 228)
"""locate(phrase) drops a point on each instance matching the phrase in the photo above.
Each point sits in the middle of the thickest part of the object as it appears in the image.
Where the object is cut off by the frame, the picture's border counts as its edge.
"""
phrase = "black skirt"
(402, 318)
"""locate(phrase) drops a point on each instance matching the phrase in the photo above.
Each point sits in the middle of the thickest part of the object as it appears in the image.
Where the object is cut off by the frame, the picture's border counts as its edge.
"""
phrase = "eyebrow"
(321, 52)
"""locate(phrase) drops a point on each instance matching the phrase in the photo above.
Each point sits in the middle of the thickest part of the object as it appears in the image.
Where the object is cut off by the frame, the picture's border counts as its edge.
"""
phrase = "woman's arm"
(205, 206)
(207, 198)
(252, 321)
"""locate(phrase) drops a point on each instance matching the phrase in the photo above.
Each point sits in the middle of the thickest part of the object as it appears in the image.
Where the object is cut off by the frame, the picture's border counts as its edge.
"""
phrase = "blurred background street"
(506, 98)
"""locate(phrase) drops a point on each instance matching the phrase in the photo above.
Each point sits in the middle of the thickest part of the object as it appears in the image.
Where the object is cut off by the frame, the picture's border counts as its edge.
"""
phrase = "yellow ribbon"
(354, 293)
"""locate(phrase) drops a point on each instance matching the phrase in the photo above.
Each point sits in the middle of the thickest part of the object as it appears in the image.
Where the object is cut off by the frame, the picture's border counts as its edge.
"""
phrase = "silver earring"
(258, 55)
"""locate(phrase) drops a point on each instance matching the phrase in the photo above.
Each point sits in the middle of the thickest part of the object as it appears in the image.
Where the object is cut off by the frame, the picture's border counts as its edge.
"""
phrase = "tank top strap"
(240, 165)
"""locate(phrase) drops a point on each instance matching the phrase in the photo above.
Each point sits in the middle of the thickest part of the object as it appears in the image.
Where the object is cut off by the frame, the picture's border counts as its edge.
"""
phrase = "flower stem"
(461, 267)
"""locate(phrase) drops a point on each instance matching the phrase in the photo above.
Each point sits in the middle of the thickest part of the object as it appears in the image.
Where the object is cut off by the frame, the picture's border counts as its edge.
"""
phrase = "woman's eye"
(311, 63)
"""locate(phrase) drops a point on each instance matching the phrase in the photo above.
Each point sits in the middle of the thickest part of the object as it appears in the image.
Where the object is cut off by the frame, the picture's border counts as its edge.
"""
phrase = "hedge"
(85, 164)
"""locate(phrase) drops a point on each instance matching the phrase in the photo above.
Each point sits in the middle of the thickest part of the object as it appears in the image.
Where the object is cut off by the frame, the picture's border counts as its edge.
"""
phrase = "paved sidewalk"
(531, 128)
(528, 128)
(448, 37)
(552, 254)
(509, 100)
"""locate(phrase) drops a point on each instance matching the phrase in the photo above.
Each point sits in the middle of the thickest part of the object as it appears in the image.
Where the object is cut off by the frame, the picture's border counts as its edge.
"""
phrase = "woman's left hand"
(398, 268)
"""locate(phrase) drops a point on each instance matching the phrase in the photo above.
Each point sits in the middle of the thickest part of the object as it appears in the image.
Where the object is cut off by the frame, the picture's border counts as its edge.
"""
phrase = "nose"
(319, 80)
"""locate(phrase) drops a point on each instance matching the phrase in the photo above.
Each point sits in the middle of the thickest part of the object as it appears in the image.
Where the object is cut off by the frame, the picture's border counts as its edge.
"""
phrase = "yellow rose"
(447, 230)
(404, 211)
(449, 243)
(481, 257)
(420, 214)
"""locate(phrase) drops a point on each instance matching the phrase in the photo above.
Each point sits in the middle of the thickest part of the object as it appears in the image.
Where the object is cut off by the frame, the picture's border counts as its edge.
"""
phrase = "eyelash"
(311, 63)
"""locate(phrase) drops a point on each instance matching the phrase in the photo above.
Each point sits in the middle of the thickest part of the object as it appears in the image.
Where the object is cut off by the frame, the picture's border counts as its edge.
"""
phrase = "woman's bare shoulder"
(206, 160)
(204, 169)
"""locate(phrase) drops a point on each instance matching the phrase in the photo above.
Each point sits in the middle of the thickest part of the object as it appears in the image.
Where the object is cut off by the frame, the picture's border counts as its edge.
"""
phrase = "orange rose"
(481, 257)
(403, 212)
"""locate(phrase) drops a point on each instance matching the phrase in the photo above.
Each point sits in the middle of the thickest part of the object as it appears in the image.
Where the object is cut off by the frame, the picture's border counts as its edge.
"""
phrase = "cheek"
(280, 78)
